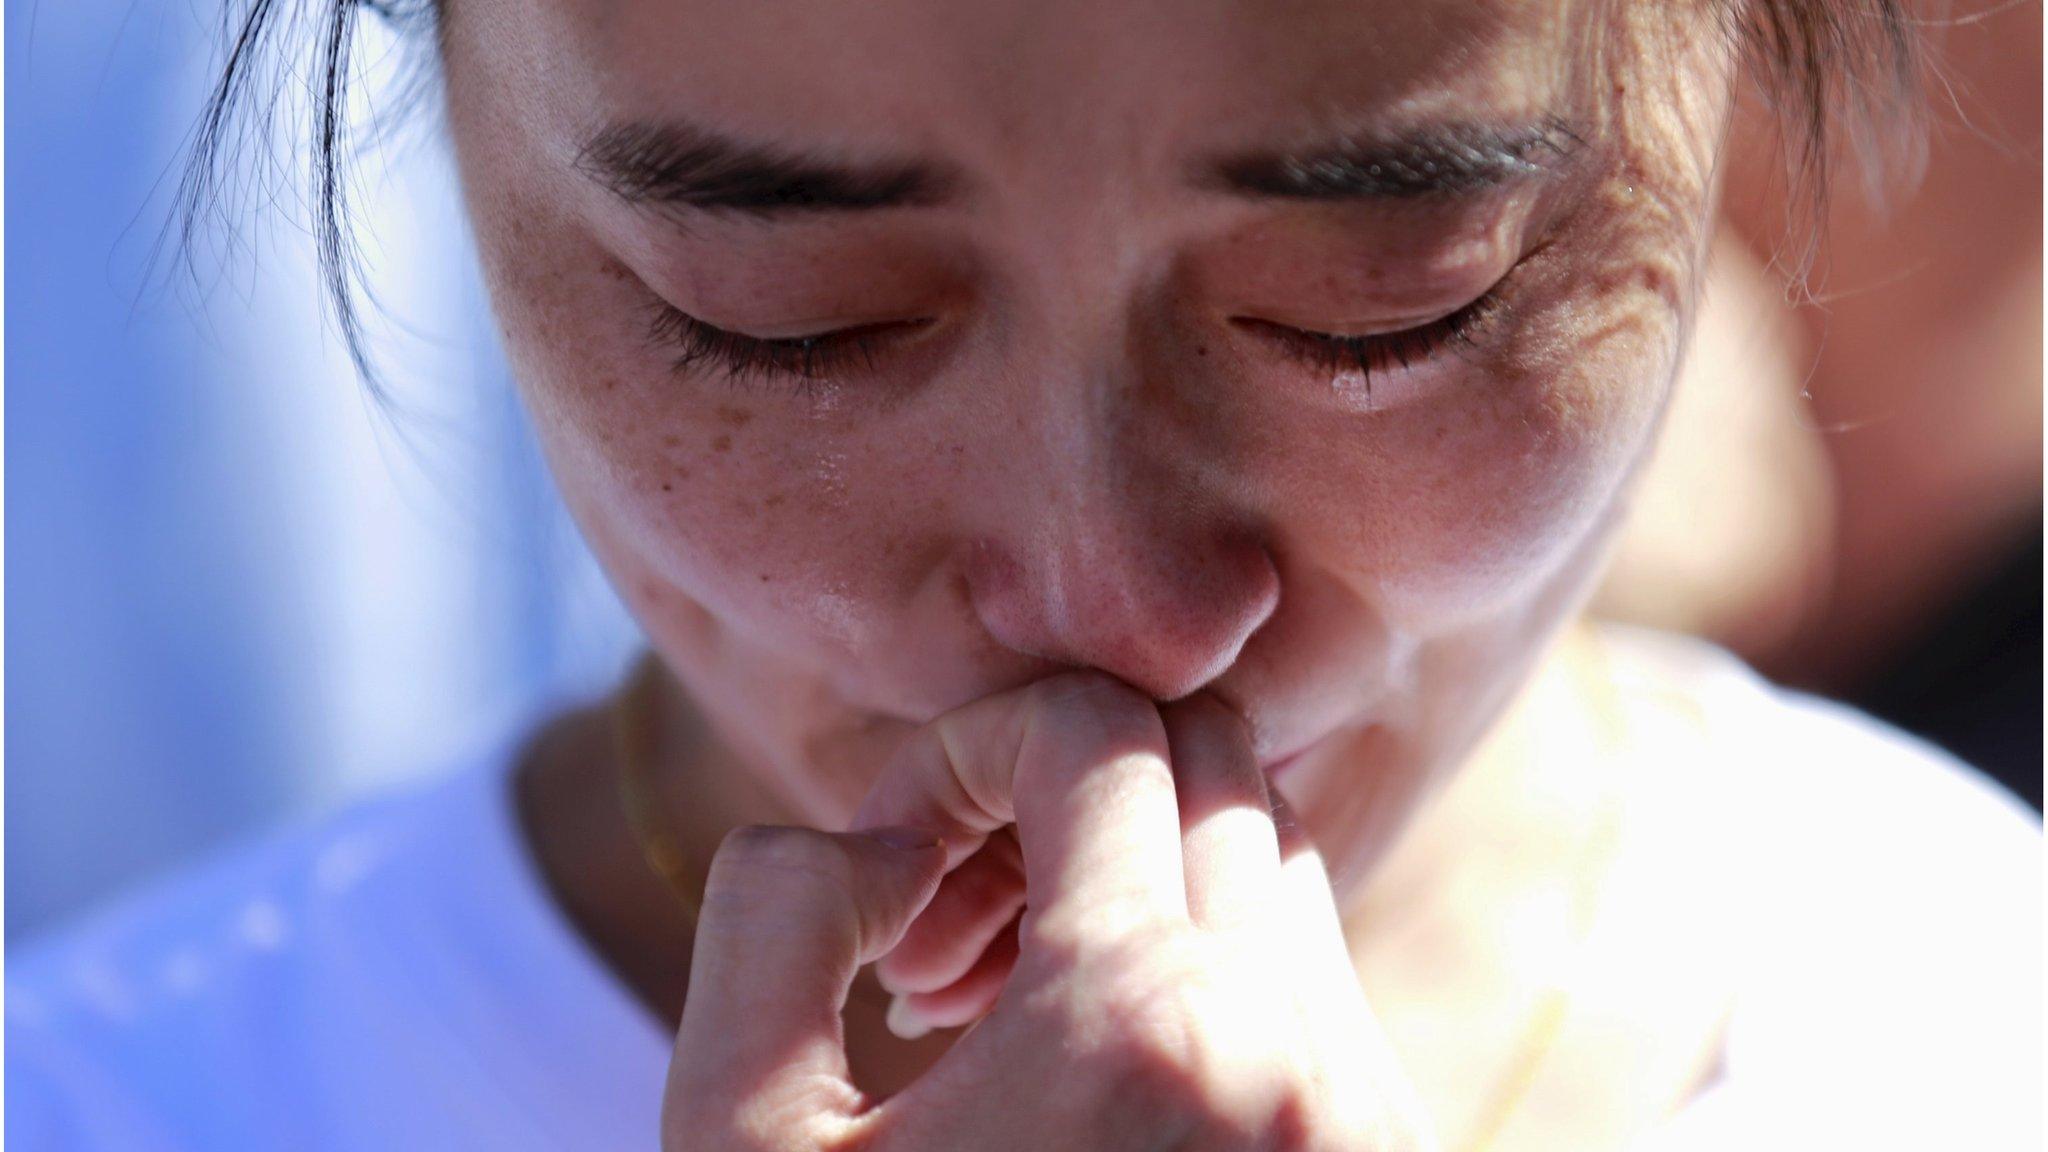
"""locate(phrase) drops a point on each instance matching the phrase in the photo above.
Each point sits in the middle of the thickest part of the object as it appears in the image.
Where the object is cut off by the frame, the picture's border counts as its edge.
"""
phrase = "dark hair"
(242, 109)
(1825, 69)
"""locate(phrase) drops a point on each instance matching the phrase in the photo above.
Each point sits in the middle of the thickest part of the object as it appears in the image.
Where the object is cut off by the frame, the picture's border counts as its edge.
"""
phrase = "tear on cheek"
(833, 614)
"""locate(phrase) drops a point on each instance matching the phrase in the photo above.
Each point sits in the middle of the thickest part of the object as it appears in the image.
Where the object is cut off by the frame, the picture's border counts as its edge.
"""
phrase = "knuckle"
(1155, 1047)
(774, 854)
(784, 1122)
(1153, 1035)
(1104, 935)
(1148, 1058)
(1145, 1027)
(1169, 1067)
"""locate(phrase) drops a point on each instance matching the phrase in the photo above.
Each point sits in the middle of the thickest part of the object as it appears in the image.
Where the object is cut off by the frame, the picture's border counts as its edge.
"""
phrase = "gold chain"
(633, 714)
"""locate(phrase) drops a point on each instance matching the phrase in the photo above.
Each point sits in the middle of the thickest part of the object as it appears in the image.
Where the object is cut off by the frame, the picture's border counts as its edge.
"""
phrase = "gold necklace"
(633, 713)
(634, 710)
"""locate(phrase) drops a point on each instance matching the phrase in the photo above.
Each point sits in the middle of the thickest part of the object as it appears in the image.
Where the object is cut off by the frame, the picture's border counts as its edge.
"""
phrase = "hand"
(1180, 977)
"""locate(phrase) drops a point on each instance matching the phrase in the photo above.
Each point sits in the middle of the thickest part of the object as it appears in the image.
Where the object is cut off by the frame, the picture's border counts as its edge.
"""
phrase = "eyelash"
(1377, 353)
(801, 362)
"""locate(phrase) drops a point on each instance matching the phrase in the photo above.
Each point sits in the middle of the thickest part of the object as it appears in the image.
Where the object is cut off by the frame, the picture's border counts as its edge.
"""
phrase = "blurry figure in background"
(1880, 540)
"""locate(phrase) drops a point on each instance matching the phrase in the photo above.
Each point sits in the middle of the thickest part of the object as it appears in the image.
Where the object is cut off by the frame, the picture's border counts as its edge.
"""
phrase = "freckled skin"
(1087, 466)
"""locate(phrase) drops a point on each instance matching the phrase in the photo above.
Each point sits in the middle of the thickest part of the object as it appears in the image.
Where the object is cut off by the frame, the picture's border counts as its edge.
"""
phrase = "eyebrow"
(679, 164)
(683, 165)
(1437, 161)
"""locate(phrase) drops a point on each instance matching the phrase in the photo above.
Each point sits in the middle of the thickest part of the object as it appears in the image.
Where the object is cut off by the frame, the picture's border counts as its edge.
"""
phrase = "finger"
(965, 1000)
(1079, 762)
(1331, 975)
(1304, 888)
(973, 904)
(1288, 829)
(1230, 851)
(789, 915)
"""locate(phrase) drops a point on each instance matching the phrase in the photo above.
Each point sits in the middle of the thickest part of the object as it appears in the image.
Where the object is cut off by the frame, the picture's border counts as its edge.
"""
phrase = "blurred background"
(237, 595)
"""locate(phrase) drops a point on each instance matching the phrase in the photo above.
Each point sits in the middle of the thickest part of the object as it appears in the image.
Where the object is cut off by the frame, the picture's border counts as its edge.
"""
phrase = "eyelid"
(815, 330)
(795, 362)
(1485, 304)
(1395, 329)
(1361, 331)
(1380, 352)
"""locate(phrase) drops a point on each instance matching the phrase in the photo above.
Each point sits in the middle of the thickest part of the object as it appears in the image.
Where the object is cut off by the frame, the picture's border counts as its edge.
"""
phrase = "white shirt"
(396, 976)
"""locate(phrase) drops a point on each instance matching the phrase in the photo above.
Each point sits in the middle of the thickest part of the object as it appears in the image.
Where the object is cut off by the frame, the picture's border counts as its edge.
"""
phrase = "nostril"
(1166, 627)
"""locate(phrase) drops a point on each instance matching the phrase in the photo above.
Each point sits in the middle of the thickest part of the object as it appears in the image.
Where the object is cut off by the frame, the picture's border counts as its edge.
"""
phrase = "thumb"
(789, 915)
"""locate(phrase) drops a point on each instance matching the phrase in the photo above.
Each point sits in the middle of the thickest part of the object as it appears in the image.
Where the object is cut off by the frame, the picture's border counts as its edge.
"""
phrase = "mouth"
(1273, 768)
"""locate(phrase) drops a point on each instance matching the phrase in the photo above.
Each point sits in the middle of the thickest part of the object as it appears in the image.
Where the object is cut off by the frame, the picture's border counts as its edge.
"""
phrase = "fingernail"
(904, 1020)
(906, 839)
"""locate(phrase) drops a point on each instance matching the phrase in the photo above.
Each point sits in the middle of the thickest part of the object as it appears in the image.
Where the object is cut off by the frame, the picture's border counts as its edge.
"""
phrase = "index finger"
(1079, 762)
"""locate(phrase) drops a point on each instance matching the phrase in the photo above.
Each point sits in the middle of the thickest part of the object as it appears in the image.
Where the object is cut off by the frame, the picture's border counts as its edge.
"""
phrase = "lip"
(1275, 767)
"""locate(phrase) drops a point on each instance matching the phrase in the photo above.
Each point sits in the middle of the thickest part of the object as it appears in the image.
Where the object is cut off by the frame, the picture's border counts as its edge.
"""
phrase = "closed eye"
(1332, 355)
(696, 345)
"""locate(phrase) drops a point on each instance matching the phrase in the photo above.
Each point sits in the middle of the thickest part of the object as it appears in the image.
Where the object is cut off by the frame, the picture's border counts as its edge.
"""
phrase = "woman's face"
(893, 353)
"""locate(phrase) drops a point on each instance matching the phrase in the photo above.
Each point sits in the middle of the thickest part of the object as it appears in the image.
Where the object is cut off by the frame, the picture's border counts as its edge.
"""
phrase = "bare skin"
(1089, 417)
(1460, 987)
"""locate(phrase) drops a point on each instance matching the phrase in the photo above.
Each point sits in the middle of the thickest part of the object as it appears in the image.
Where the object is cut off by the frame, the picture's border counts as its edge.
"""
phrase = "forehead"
(1011, 76)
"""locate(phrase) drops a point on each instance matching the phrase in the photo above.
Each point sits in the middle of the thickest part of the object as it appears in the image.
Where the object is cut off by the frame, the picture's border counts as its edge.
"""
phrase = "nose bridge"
(1106, 550)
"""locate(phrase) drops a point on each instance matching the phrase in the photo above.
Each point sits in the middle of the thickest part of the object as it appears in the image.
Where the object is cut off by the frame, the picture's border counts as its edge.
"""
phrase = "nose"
(1164, 601)
(1109, 536)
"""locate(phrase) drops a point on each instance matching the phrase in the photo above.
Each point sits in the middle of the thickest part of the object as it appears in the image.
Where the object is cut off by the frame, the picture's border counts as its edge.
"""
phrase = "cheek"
(767, 536)
(1461, 508)
(763, 535)
(689, 487)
